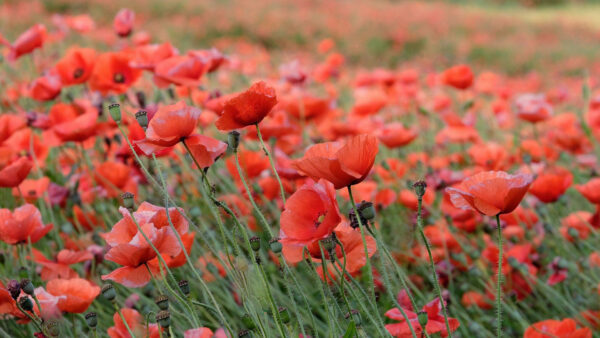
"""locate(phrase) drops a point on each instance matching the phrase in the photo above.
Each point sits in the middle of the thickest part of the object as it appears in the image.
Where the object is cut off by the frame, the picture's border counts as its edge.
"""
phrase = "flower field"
(299, 169)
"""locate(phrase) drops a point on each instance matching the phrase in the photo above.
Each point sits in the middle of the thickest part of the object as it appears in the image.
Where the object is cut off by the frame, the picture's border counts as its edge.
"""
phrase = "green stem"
(499, 284)
(123, 319)
(262, 143)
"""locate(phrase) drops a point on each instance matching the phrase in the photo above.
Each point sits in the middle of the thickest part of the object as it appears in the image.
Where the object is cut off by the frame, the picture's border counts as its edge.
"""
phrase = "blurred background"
(514, 36)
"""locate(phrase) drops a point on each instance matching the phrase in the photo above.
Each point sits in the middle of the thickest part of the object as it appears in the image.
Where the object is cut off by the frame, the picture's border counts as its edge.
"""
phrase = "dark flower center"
(119, 78)
(78, 73)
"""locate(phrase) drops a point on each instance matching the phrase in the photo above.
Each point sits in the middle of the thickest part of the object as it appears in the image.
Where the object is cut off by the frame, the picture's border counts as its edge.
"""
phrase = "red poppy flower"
(22, 225)
(204, 332)
(130, 248)
(310, 214)
(489, 156)
(9, 123)
(60, 268)
(45, 88)
(435, 323)
(590, 190)
(123, 22)
(31, 39)
(148, 56)
(13, 173)
(490, 193)
(395, 135)
(247, 108)
(181, 70)
(76, 66)
(32, 190)
(566, 328)
(533, 108)
(78, 129)
(342, 164)
(550, 185)
(205, 149)
(170, 125)
(76, 294)
(459, 77)
(135, 322)
(580, 222)
(113, 73)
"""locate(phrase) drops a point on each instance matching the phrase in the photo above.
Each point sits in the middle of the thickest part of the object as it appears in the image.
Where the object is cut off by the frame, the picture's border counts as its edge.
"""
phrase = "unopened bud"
(423, 318)
(366, 210)
(109, 292)
(184, 286)
(26, 303)
(115, 112)
(420, 187)
(27, 286)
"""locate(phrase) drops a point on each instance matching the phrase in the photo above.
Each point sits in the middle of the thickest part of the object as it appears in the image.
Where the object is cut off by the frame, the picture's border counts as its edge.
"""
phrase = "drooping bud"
(109, 292)
(91, 319)
(128, 202)
(162, 301)
(420, 187)
(27, 286)
(275, 245)
(255, 243)
(233, 140)
(115, 112)
(184, 286)
(423, 318)
(25, 303)
(142, 119)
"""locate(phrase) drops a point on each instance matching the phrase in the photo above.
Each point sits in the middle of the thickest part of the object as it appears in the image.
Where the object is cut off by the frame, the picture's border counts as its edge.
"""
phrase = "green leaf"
(351, 331)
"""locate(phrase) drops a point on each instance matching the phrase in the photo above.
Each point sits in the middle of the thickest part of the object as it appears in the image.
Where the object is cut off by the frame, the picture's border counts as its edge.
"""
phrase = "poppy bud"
(284, 314)
(184, 286)
(245, 334)
(423, 319)
(366, 210)
(91, 319)
(115, 112)
(26, 303)
(14, 288)
(127, 198)
(109, 292)
(51, 327)
(255, 243)
(420, 187)
(163, 318)
(142, 119)
(275, 245)
(233, 139)
(248, 322)
(355, 316)
(162, 301)
(27, 286)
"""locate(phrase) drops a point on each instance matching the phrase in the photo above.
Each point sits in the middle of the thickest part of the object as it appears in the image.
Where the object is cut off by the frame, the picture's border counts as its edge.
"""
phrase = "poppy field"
(299, 169)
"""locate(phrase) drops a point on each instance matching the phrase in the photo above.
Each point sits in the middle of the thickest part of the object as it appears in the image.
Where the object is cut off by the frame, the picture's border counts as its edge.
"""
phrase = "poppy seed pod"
(275, 245)
(328, 244)
(128, 202)
(184, 286)
(255, 243)
(91, 319)
(142, 119)
(115, 112)
(423, 318)
(366, 210)
(248, 322)
(420, 187)
(109, 292)
(163, 318)
(27, 286)
(162, 301)
(25, 303)
(233, 140)
(284, 314)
